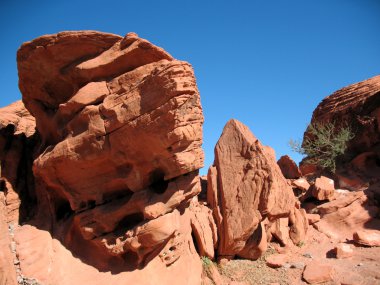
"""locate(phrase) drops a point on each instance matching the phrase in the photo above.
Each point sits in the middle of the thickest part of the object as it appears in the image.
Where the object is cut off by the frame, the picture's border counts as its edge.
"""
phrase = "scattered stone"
(343, 250)
(301, 183)
(316, 272)
(323, 189)
(307, 255)
(276, 260)
(297, 265)
(288, 167)
(360, 264)
(367, 237)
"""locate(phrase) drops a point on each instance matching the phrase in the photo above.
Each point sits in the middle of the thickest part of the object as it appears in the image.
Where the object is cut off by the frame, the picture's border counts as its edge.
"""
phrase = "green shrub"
(323, 144)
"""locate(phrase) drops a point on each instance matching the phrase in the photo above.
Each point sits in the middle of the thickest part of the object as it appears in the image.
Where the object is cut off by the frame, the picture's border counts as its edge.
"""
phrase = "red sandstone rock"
(343, 250)
(121, 128)
(276, 260)
(244, 184)
(367, 237)
(301, 184)
(323, 189)
(17, 147)
(313, 218)
(288, 167)
(349, 212)
(316, 272)
(7, 269)
(356, 106)
(141, 125)
(204, 229)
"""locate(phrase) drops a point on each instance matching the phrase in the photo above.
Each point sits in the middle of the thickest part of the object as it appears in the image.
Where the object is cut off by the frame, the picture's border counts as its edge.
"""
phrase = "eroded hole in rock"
(117, 195)
(128, 223)
(157, 182)
(62, 210)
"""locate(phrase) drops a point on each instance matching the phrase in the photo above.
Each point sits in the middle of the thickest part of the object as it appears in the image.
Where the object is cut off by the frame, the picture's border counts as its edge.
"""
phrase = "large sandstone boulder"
(120, 122)
(356, 106)
(246, 186)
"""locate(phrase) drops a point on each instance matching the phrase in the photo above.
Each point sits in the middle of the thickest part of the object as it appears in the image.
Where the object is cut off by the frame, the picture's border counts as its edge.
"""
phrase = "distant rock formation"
(250, 196)
(358, 107)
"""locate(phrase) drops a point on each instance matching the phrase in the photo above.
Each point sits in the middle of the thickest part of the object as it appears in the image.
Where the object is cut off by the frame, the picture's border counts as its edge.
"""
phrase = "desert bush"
(323, 144)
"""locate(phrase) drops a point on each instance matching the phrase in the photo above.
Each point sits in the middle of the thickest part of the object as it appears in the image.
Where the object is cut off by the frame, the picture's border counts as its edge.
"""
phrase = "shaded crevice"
(157, 182)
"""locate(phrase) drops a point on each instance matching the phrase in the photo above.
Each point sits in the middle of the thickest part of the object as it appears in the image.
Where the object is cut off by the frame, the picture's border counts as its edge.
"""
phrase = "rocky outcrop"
(348, 213)
(246, 187)
(18, 142)
(116, 168)
(288, 167)
(358, 107)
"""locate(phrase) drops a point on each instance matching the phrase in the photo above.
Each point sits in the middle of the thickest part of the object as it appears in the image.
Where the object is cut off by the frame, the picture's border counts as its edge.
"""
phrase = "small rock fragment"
(323, 189)
(276, 260)
(316, 272)
(343, 250)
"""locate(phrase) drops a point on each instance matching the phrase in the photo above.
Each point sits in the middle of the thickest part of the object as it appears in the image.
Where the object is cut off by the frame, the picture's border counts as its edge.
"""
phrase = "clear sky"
(266, 63)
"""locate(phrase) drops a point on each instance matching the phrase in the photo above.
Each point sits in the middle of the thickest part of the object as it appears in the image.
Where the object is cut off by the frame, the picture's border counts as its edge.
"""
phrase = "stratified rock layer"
(358, 107)
(245, 187)
(120, 122)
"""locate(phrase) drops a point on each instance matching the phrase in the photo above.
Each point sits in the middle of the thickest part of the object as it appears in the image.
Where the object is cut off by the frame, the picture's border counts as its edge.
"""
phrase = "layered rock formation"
(249, 196)
(18, 142)
(116, 168)
(358, 107)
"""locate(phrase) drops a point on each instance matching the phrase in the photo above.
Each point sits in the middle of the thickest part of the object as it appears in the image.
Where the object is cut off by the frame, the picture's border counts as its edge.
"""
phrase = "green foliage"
(301, 243)
(324, 144)
(207, 262)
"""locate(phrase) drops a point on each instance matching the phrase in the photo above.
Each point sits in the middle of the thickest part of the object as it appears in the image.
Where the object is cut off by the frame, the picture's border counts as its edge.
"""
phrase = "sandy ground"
(363, 268)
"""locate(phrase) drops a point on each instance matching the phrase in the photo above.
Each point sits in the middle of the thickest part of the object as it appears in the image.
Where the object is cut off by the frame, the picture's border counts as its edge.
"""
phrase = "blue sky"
(265, 63)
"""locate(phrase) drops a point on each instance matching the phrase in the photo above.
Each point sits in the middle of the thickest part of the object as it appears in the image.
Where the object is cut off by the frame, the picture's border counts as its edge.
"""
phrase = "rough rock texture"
(288, 167)
(343, 250)
(121, 114)
(245, 186)
(367, 237)
(120, 123)
(323, 189)
(348, 213)
(17, 146)
(316, 272)
(358, 106)
(7, 269)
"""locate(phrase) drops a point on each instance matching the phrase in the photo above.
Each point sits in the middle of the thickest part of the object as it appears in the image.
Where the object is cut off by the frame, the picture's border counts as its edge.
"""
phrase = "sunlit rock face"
(250, 197)
(120, 122)
(356, 106)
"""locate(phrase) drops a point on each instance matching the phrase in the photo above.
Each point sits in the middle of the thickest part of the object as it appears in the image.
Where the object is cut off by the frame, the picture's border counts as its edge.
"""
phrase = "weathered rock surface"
(356, 106)
(367, 237)
(349, 212)
(120, 122)
(120, 117)
(343, 250)
(323, 189)
(245, 186)
(7, 269)
(288, 167)
(317, 272)
(17, 146)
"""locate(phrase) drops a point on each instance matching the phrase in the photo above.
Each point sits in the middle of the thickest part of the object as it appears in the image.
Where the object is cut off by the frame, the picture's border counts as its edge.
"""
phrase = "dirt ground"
(362, 268)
